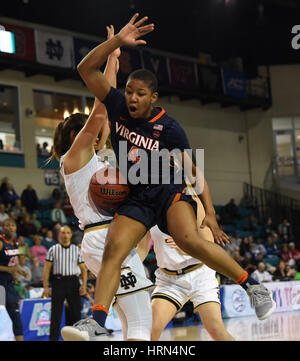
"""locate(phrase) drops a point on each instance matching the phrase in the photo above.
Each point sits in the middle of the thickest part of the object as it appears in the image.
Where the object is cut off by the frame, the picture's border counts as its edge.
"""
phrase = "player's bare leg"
(182, 225)
(211, 317)
(123, 235)
(162, 313)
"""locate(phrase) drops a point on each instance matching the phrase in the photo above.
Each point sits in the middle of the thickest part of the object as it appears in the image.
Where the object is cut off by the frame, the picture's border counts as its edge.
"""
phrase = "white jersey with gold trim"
(77, 187)
(167, 257)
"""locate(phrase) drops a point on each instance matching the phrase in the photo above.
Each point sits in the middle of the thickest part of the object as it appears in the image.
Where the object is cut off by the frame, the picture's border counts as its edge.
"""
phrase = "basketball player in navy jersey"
(133, 120)
(9, 251)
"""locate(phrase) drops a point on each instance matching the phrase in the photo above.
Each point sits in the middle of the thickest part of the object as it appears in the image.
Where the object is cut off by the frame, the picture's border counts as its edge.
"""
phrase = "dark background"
(258, 31)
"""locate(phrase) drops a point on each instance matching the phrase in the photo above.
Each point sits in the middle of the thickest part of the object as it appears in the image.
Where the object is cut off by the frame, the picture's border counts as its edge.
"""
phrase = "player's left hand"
(220, 236)
(110, 34)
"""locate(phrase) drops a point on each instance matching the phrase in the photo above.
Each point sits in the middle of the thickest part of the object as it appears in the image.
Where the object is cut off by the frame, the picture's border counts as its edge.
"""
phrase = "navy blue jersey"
(8, 257)
(145, 137)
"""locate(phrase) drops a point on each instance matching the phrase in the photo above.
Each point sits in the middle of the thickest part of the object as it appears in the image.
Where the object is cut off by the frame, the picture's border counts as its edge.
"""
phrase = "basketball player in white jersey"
(181, 278)
(74, 141)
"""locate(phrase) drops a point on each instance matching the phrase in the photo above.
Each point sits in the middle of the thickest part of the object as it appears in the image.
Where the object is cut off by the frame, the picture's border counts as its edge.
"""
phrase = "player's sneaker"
(262, 301)
(85, 330)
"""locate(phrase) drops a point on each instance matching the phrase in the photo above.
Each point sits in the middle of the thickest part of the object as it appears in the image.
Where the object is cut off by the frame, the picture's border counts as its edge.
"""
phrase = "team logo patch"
(128, 281)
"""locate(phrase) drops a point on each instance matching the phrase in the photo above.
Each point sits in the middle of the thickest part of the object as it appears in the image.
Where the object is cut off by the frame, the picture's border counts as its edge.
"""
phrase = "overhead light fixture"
(76, 110)
(86, 110)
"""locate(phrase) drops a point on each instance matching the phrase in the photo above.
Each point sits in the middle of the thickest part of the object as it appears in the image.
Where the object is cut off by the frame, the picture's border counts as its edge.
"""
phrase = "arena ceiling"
(258, 31)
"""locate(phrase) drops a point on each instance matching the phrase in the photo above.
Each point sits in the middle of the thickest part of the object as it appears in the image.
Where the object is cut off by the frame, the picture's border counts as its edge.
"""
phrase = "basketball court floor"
(283, 326)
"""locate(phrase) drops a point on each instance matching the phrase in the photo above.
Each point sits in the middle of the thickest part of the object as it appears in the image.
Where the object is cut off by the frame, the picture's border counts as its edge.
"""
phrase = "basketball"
(106, 191)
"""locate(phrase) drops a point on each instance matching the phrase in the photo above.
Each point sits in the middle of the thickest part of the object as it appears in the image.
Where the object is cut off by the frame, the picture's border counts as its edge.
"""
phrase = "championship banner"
(54, 49)
(182, 73)
(158, 65)
(24, 42)
(209, 78)
(236, 303)
(234, 84)
(129, 60)
(36, 316)
(82, 47)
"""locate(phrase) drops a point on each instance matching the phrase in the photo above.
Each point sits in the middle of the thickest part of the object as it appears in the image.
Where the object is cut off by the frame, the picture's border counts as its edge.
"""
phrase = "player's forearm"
(111, 70)
(96, 57)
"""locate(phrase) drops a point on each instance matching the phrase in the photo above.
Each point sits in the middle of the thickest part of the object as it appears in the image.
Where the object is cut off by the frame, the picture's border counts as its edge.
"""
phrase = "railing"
(276, 206)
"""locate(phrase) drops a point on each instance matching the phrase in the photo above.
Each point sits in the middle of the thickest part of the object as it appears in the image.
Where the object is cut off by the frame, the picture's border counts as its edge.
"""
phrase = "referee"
(65, 258)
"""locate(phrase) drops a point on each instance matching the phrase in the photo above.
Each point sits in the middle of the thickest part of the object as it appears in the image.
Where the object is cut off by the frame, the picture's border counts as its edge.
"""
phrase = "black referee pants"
(64, 288)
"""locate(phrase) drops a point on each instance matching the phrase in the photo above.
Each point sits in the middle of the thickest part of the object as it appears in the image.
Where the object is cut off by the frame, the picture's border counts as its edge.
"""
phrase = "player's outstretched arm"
(89, 67)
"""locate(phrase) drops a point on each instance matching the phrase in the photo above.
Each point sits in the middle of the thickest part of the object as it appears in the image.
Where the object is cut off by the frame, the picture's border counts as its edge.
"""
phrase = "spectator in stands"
(44, 150)
(229, 213)
(285, 228)
(271, 248)
(57, 214)
(284, 272)
(294, 253)
(18, 286)
(48, 241)
(245, 246)
(248, 263)
(36, 272)
(247, 201)
(3, 214)
(24, 249)
(67, 207)
(1, 144)
(55, 196)
(56, 230)
(268, 227)
(10, 195)
(36, 222)
(30, 199)
(3, 186)
(236, 241)
(24, 280)
(38, 249)
(261, 274)
(26, 227)
(38, 149)
(259, 247)
(17, 208)
(251, 223)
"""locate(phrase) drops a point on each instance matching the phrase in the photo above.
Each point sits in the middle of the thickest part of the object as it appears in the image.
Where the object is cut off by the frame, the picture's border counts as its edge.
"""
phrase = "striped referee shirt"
(65, 259)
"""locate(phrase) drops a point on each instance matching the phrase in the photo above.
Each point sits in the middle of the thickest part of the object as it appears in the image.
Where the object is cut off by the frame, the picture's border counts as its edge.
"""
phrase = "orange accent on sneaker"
(99, 307)
(242, 278)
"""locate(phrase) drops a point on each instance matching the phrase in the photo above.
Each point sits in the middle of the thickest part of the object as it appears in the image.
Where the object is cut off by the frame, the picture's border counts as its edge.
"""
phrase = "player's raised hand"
(110, 34)
(131, 33)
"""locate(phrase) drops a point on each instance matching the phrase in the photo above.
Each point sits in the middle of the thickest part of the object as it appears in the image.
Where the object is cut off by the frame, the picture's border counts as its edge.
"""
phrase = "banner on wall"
(54, 49)
(183, 73)
(209, 79)
(236, 303)
(36, 316)
(129, 60)
(234, 84)
(82, 47)
(158, 65)
(24, 42)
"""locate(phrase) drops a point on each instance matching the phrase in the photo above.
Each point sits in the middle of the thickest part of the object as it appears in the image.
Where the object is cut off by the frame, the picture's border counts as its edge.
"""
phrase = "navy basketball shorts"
(12, 306)
(149, 204)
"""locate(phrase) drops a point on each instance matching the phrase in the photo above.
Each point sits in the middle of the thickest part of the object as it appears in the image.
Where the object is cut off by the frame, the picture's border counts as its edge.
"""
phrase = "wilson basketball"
(108, 189)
